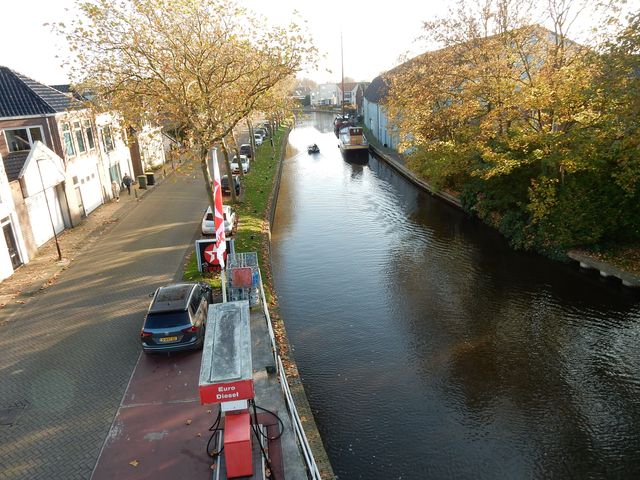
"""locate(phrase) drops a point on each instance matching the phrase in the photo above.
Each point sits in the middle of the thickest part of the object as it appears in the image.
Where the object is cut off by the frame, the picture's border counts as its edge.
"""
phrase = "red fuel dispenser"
(226, 378)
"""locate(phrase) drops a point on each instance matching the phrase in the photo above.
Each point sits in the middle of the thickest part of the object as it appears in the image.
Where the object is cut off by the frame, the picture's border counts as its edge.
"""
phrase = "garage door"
(39, 215)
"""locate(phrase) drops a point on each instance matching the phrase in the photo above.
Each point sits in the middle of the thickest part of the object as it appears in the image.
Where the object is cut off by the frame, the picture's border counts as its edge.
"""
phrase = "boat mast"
(342, 65)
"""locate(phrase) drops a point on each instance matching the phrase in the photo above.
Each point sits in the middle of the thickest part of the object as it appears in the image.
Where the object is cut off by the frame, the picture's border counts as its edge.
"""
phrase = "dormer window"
(22, 139)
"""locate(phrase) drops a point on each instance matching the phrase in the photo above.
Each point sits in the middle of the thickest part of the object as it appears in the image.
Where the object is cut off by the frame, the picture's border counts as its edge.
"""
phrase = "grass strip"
(251, 234)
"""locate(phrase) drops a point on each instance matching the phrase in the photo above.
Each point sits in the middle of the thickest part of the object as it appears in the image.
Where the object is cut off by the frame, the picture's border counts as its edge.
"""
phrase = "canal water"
(430, 350)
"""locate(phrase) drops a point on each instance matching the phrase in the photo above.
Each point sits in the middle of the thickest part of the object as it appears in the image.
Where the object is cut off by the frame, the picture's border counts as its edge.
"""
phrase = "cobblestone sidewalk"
(44, 268)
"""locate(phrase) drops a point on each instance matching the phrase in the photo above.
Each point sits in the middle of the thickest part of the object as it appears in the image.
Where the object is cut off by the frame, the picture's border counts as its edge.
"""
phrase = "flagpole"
(218, 217)
(223, 279)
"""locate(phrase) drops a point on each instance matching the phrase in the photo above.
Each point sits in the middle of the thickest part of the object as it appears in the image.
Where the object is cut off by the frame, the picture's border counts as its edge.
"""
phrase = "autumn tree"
(201, 64)
(306, 83)
(515, 117)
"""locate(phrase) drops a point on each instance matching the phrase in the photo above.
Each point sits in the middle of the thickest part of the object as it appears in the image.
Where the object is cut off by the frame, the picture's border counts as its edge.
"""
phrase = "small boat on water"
(353, 144)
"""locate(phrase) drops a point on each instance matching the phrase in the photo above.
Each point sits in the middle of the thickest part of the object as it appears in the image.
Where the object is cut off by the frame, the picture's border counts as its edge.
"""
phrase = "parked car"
(176, 318)
(258, 139)
(245, 149)
(263, 132)
(208, 222)
(235, 166)
(224, 182)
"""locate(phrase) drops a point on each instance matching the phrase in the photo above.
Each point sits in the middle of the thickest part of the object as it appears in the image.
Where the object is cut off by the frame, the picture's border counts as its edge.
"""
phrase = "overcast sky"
(375, 33)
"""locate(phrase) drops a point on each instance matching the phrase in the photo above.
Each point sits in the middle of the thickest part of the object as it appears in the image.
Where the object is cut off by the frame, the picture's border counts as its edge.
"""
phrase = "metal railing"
(312, 468)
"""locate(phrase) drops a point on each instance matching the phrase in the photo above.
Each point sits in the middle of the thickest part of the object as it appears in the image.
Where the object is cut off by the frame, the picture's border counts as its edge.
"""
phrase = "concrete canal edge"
(412, 177)
(285, 351)
(605, 269)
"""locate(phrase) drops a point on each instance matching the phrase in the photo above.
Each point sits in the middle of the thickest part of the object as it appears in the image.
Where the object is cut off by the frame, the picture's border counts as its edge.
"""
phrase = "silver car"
(177, 318)
(235, 165)
(209, 224)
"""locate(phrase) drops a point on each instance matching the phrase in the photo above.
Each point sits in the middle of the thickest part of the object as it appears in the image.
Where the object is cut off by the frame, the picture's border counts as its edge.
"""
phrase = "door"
(114, 173)
(12, 245)
(81, 209)
(44, 212)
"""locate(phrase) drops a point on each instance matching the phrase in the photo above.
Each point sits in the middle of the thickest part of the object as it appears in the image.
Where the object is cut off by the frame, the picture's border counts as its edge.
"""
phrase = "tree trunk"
(232, 184)
(252, 139)
(234, 146)
(235, 143)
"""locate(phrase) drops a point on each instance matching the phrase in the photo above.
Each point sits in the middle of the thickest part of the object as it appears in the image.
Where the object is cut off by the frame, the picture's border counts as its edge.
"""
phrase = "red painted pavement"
(161, 378)
(160, 430)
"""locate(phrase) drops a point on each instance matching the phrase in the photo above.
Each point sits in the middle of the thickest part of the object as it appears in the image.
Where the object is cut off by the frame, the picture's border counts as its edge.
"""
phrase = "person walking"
(126, 181)
(115, 189)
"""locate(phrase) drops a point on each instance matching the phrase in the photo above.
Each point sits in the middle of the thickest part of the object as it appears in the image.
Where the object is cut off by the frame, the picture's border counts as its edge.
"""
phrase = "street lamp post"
(49, 210)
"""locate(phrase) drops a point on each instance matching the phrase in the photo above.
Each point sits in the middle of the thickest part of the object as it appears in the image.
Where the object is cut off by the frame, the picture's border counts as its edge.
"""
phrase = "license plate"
(168, 339)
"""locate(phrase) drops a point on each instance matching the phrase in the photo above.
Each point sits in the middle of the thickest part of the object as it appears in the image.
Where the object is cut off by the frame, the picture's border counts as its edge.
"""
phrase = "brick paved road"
(69, 354)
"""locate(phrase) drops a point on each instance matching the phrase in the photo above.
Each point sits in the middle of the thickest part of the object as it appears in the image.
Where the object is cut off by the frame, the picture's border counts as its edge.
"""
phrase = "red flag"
(218, 217)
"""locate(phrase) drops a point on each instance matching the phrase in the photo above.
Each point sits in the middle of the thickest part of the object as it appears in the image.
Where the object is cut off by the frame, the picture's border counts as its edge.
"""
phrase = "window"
(68, 141)
(88, 131)
(167, 320)
(22, 139)
(196, 298)
(107, 138)
(77, 130)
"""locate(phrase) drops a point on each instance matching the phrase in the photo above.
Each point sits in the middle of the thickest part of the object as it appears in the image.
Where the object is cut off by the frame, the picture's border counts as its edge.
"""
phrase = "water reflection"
(429, 349)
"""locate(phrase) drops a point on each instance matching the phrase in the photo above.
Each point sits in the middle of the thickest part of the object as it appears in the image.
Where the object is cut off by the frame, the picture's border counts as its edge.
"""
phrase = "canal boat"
(341, 121)
(353, 144)
(351, 140)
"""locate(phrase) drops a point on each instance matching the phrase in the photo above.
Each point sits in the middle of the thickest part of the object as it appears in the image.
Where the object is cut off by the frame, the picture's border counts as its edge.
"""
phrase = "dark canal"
(429, 349)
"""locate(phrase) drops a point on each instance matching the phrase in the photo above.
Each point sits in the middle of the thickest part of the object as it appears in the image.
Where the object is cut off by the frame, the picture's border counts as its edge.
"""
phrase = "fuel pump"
(226, 378)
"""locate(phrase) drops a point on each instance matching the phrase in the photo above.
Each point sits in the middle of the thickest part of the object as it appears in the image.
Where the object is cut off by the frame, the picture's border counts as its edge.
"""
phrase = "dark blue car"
(177, 318)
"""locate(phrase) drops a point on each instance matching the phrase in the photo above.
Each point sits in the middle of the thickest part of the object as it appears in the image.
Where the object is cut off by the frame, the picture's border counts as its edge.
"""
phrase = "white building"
(13, 251)
(326, 94)
(116, 157)
(151, 142)
(375, 113)
(42, 184)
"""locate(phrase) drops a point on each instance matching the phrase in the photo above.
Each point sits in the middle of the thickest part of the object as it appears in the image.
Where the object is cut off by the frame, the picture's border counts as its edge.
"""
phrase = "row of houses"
(332, 95)
(366, 98)
(58, 160)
